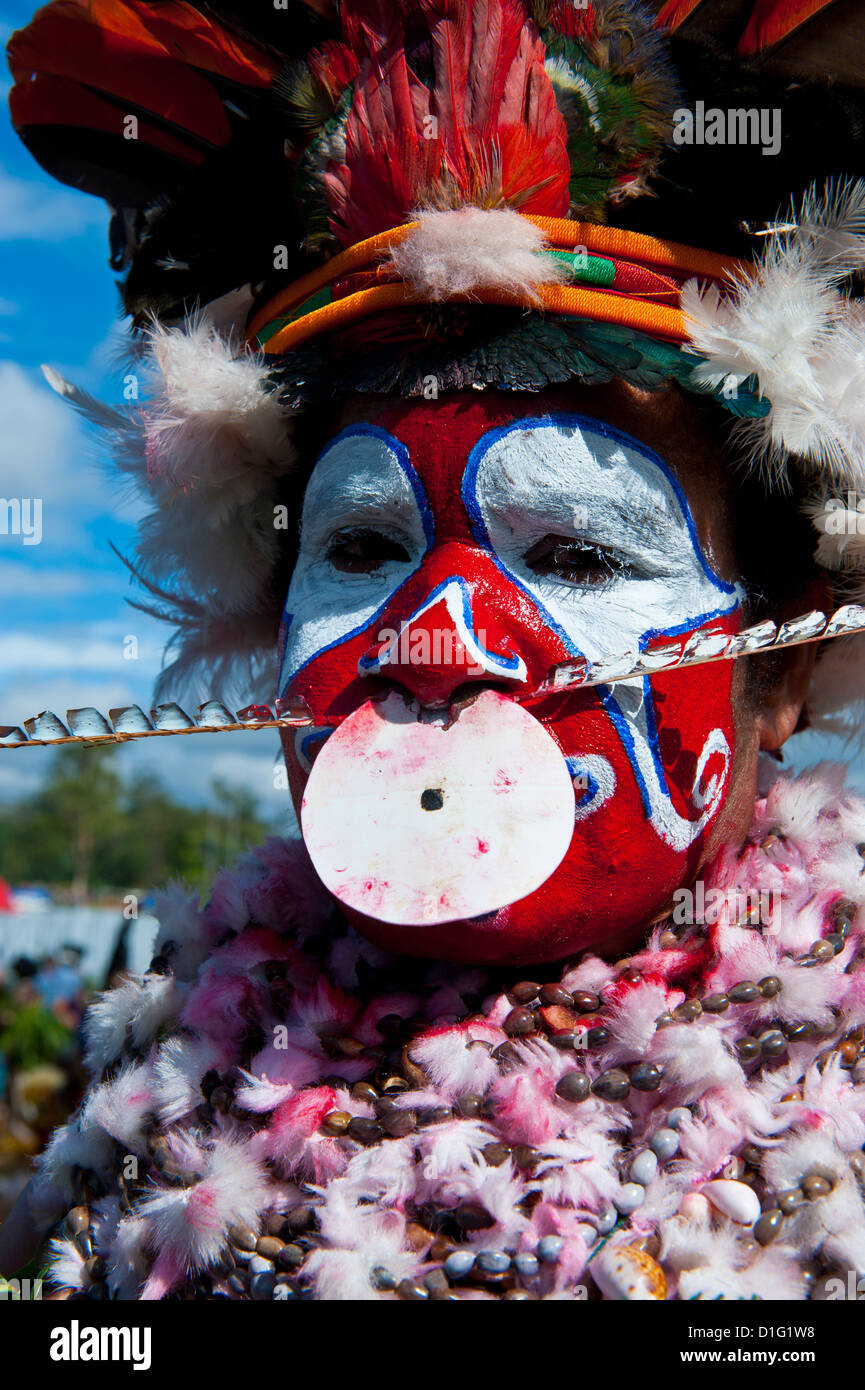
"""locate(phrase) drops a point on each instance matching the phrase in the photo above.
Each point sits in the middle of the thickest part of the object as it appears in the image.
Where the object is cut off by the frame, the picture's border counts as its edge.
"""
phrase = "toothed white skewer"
(694, 649)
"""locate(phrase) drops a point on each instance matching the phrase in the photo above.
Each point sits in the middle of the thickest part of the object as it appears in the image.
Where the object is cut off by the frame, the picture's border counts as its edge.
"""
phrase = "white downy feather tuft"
(206, 449)
(191, 1223)
(458, 252)
(791, 326)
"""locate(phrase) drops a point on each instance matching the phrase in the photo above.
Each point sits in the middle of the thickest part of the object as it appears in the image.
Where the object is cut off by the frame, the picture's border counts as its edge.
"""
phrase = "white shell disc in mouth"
(417, 822)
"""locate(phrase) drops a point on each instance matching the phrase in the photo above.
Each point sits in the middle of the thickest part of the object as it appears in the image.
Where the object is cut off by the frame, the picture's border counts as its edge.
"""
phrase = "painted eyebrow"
(403, 459)
(586, 424)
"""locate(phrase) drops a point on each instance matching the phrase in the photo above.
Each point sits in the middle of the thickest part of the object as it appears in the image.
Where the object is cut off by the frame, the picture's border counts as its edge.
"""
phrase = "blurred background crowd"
(79, 857)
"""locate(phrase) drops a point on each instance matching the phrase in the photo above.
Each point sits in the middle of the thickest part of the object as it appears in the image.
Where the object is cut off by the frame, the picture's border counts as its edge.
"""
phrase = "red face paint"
(451, 546)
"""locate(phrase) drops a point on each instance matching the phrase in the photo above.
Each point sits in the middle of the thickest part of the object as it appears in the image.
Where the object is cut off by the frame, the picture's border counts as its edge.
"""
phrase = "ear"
(784, 687)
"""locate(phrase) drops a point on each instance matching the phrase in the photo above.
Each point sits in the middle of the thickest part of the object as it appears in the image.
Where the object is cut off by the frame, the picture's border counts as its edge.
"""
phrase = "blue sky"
(63, 611)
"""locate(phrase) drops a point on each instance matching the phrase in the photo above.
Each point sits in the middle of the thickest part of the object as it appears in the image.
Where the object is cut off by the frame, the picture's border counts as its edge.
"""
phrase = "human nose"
(440, 647)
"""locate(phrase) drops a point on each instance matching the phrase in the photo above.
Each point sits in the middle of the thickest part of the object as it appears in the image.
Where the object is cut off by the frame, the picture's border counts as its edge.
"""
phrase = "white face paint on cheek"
(363, 481)
(570, 477)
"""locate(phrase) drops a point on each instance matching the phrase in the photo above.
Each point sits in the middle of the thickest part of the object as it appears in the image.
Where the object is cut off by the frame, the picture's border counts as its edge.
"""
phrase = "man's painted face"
(448, 546)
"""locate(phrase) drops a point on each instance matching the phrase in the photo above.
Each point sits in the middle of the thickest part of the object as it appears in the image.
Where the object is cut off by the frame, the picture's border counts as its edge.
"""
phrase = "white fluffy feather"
(191, 1223)
(791, 326)
(458, 252)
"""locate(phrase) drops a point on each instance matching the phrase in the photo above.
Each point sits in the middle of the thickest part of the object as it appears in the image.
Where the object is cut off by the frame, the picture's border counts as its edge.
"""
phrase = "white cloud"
(59, 650)
(43, 450)
(21, 580)
(29, 697)
(32, 211)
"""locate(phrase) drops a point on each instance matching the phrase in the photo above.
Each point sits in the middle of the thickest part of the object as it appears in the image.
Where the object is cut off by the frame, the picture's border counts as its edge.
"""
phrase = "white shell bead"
(734, 1199)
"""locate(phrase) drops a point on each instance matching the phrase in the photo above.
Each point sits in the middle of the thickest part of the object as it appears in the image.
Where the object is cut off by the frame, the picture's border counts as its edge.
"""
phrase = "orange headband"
(657, 320)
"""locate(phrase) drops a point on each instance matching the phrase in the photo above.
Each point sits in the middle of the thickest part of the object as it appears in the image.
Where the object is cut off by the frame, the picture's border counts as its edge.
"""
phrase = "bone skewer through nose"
(699, 648)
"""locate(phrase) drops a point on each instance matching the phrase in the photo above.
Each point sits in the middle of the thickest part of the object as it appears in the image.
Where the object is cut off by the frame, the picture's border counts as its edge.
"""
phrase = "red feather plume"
(451, 105)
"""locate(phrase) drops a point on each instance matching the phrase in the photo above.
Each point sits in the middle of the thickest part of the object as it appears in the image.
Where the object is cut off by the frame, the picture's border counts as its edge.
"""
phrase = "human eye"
(363, 550)
(579, 563)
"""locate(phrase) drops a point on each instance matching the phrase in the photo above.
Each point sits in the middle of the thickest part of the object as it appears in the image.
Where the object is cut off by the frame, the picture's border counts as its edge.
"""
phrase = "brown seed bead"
(715, 1003)
(687, 1012)
(243, 1237)
(393, 1085)
(350, 1047)
(790, 1200)
(519, 1022)
(585, 1001)
(826, 1029)
(437, 1282)
(857, 1164)
(849, 1053)
(557, 1019)
(495, 1154)
(790, 1095)
(645, 1076)
(468, 1105)
(525, 1156)
(573, 1086)
(362, 1090)
(418, 1237)
(77, 1220)
(597, 1037)
(471, 1216)
(291, 1256)
(843, 914)
(520, 1296)
(365, 1131)
(301, 1219)
(524, 992)
(505, 1054)
(768, 1226)
(409, 1290)
(748, 1048)
(815, 1185)
(398, 1123)
(796, 1032)
(664, 1020)
(822, 950)
(743, 992)
(836, 941)
(414, 1074)
(269, 1247)
(773, 1043)
(555, 994)
(668, 940)
(436, 1115)
(612, 1084)
(769, 986)
(752, 1155)
(564, 1042)
(336, 1122)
